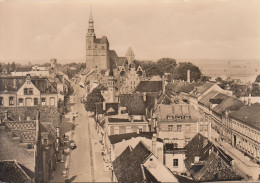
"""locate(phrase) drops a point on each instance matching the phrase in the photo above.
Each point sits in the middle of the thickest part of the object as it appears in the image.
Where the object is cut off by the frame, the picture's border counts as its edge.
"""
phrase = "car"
(73, 145)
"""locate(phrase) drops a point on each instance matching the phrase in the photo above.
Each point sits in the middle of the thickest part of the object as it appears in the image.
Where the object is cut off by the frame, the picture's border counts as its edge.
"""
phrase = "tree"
(92, 98)
(1, 68)
(257, 79)
(204, 78)
(13, 67)
(166, 65)
(218, 79)
(180, 72)
(8, 68)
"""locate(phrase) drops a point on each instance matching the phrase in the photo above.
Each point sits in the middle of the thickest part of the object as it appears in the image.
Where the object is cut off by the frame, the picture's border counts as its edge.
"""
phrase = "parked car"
(73, 145)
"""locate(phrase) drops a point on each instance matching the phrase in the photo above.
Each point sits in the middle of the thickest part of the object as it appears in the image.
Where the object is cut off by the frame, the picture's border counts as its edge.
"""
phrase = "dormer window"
(170, 117)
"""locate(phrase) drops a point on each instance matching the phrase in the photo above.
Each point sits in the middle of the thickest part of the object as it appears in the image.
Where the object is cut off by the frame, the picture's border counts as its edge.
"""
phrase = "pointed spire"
(91, 31)
(130, 56)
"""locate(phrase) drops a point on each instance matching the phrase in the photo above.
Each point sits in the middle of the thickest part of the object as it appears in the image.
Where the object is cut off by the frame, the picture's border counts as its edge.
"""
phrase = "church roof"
(102, 40)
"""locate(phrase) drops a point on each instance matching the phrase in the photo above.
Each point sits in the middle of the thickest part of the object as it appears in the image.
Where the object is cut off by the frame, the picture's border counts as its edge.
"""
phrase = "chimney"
(188, 75)
(138, 131)
(104, 106)
(144, 96)
(14, 83)
(28, 77)
(28, 118)
(6, 115)
(249, 100)
(154, 138)
(163, 84)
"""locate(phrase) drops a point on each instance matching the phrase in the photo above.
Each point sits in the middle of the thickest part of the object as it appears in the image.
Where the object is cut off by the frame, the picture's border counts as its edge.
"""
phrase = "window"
(35, 101)
(188, 128)
(128, 129)
(170, 127)
(52, 101)
(140, 128)
(169, 117)
(45, 141)
(25, 91)
(1, 101)
(178, 128)
(28, 91)
(43, 101)
(95, 46)
(11, 100)
(20, 101)
(175, 163)
(103, 47)
(116, 130)
(89, 47)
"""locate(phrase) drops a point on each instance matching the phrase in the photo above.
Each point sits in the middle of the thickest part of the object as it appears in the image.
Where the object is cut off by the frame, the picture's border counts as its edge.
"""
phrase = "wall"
(169, 157)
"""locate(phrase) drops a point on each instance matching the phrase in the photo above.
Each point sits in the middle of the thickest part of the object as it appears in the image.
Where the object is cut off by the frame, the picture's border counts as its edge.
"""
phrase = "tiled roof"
(47, 113)
(118, 138)
(128, 166)
(44, 85)
(249, 115)
(11, 149)
(11, 171)
(209, 157)
(228, 104)
(148, 176)
(109, 106)
(206, 99)
(11, 83)
(180, 86)
(101, 87)
(102, 40)
(199, 90)
(149, 86)
(134, 103)
(120, 61)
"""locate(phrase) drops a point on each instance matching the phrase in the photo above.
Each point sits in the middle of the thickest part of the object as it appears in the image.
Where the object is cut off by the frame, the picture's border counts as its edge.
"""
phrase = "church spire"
(91, 31)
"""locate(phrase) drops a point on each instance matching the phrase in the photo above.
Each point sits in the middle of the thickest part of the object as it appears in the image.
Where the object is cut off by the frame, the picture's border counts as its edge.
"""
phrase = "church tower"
(97, 49)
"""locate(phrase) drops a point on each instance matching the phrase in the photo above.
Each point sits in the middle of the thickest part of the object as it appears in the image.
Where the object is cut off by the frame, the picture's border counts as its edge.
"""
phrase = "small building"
(207, 162)
(139, 164)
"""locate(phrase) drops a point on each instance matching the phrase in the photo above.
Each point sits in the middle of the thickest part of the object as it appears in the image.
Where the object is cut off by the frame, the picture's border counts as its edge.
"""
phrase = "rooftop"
(149, 86)
(249, 115)
(118, 138)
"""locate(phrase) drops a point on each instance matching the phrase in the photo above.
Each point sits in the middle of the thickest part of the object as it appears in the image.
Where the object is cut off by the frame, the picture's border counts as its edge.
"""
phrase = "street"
(85, 163)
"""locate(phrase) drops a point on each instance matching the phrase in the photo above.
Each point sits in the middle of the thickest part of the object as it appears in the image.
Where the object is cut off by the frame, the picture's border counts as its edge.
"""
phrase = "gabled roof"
(12, 171)
(120, 61)
(206, 99)
(249, 115)
(47, 113)
(109, 106)
(209, 157)
(118, 138)
(11, 83)
(128, 166)
(44, 85)
(101, 87)
(228, 104)
(134, 103)
(149, 86)
(199, 90)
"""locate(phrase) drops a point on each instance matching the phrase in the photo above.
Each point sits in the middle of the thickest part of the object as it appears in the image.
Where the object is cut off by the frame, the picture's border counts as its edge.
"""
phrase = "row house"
(27, 91)
(234, 122)
(179, 123)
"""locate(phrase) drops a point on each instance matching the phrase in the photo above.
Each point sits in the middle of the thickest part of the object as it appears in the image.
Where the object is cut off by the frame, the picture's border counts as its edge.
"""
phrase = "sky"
(38, 30)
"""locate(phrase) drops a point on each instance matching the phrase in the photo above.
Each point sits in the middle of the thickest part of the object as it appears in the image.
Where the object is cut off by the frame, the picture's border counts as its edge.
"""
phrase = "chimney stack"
(188, 75)
(144, 96)
(154, 139)
(249, 100)
(138, 131)
(104, 106)
(6, 115)
(163, 84)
